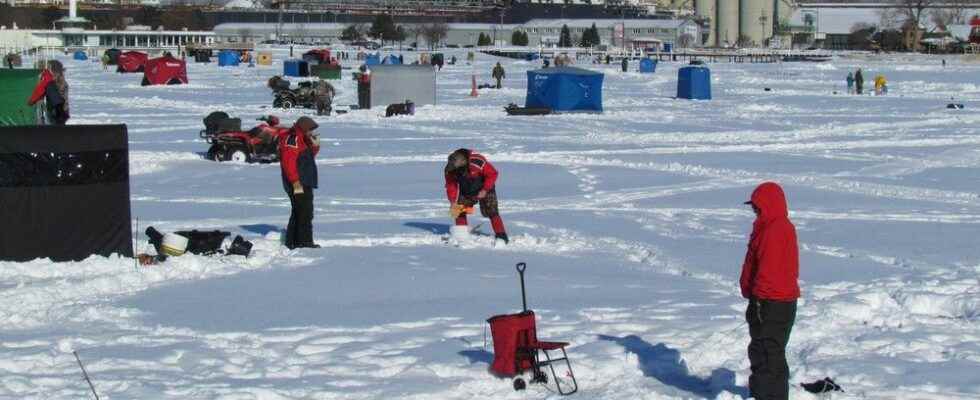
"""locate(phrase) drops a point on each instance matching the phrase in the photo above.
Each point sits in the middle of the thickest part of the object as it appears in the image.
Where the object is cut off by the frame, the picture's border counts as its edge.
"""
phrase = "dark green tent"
(16, 86)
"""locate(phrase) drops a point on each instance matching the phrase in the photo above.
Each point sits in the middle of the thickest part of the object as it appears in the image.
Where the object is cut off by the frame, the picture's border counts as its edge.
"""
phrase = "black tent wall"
(64, 192)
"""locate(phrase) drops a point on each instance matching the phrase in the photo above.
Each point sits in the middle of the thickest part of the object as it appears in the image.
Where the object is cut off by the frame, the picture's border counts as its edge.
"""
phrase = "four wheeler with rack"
(316, 94)
(230, 143)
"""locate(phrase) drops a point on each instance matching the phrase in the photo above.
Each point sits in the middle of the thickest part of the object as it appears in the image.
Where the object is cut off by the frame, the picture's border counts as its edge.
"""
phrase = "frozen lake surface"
(631, 222)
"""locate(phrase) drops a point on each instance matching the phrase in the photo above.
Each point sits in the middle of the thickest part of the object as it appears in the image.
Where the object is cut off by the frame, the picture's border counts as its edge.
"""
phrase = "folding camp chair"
(517, 349)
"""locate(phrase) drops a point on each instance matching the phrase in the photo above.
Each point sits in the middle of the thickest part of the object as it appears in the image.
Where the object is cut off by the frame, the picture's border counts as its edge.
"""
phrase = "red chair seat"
(549, 345)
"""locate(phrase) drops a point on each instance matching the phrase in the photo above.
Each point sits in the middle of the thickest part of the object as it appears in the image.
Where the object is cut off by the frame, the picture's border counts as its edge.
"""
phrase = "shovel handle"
(520, 270)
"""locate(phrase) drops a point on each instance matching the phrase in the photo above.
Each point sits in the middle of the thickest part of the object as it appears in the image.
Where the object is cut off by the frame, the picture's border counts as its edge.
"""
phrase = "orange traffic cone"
(473, 92)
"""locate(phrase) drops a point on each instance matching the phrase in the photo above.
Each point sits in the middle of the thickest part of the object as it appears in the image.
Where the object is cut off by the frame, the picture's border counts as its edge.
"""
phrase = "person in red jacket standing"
(470, 179)
(298, 148)
(769, 281)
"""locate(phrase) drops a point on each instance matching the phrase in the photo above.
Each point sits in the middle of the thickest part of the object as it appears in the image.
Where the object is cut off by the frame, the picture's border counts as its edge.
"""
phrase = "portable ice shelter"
(80, 55)
(694, 82)
(648, 66)
(317, 56)
(564, 89)
(295, 68)
(438, 59)
(165, 70)
(228, 58)
(391, 84)
(113, 56)
(17, 86)
(372, 59)
(391, 59)
(131, 61)
(202, 57)
(65, 191)
(326, 71)
(264, 58)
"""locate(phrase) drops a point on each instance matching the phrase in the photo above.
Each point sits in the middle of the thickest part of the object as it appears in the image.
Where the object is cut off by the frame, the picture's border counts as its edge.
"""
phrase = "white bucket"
(459, 233)
(173, 244)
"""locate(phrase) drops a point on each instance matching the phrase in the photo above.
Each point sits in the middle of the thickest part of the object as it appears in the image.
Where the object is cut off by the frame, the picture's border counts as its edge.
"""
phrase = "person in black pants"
(297, 157)
(770, 281)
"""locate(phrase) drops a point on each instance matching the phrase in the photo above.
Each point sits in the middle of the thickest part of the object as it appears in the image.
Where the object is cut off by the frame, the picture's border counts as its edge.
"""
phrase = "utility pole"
(763, 18)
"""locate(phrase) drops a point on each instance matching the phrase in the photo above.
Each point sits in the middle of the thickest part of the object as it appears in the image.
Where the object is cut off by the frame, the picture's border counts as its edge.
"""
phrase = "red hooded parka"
(772, 263)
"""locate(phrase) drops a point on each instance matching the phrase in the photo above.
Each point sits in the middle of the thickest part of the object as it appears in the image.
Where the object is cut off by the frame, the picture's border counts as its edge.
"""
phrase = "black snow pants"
(770, 324)
(299, 233)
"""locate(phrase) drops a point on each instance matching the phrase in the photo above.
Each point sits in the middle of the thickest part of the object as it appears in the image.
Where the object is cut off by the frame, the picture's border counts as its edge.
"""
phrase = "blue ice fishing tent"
(564, 89)
(391, 59)
(531, 56)
(228, 58)
(372, 59)
(668, 47)
(80, 55)
(648, 66)
(295, 68)
(694, 82)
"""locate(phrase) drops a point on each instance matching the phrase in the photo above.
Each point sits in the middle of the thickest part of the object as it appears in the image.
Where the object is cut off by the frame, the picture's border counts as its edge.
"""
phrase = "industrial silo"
(706, 9)
(755, 20)
(727, 22)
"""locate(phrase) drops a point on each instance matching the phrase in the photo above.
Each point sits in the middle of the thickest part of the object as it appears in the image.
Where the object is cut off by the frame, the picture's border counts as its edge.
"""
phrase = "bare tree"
(685, 40)
(908, 15)
(954, 12)
(435, 33)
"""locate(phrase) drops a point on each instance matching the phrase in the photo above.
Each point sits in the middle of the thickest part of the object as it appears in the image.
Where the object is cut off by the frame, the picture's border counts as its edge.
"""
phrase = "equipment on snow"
(514, 109)
(230, 143)
(317, 94)
(516, 348)
(824, 385)
(406, 108)
(173, 245)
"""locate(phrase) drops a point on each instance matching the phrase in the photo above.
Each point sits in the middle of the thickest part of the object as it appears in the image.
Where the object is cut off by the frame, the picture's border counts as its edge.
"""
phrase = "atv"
(230, 143)
(308, 94)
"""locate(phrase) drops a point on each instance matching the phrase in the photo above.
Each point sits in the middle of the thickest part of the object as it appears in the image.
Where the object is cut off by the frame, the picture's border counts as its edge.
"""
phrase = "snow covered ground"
(631, 223)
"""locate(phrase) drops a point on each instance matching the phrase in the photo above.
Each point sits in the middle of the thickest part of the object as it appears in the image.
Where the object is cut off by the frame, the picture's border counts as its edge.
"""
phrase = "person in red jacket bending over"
(470, 178)
(769, 282)
(298, 148)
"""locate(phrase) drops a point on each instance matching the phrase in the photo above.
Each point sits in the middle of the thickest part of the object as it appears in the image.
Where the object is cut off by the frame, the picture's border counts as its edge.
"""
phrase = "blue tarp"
(391, 59)
(295, 68)
(228, 58)
(694, 82)
(80, 55)
(648, 66)
(372, 59)
(531, 56)
(564, 89)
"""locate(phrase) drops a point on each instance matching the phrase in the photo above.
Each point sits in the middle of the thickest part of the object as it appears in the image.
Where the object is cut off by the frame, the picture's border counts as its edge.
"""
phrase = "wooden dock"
(707, 55)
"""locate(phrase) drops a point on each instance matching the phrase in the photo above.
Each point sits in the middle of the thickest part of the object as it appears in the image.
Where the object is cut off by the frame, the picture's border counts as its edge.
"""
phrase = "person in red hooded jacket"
(769, 281)
(471, 179)
(298, 148)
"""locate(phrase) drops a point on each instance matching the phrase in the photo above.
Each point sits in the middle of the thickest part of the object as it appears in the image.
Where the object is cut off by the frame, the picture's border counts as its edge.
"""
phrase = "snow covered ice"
(631, 223)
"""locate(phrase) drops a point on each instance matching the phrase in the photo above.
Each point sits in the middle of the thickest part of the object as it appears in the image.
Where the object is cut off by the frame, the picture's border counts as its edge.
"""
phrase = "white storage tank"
(755, 20)
(727, 11)
(706, 9)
